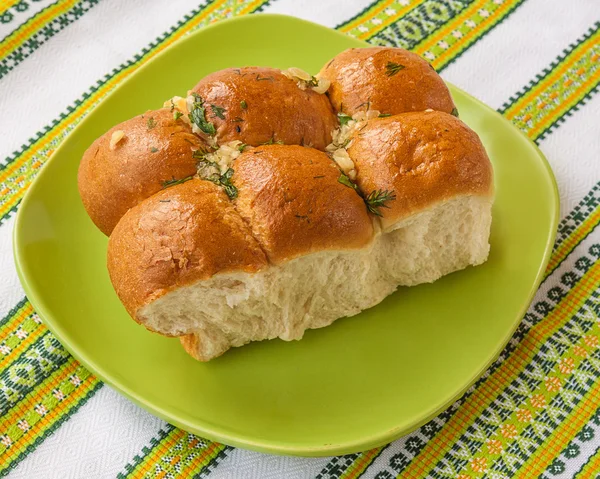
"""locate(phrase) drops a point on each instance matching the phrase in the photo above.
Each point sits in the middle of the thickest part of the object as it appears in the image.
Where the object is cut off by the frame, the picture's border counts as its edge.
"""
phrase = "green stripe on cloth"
(30, 36)
(177, 453)
(442, 30)
(11, 7)
(560, 89)
(19, 170)
(573, 450)
(591, 468)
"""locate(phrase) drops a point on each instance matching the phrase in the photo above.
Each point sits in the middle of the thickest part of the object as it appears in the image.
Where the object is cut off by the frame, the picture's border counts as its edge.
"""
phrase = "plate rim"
(205, 430)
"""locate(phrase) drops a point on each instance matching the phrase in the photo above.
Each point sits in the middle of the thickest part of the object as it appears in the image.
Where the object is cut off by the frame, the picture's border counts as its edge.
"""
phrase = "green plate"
(360, 383)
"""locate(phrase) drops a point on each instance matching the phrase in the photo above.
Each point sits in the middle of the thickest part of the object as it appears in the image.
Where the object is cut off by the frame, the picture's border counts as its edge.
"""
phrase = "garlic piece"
(300, 74)
(322, 87)
(115, 138)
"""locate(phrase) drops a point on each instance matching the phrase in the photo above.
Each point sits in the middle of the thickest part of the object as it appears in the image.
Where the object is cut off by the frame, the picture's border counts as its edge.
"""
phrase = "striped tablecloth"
(535, 413)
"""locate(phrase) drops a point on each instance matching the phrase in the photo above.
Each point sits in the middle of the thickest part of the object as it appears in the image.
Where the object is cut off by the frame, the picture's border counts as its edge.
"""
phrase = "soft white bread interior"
(313, 291)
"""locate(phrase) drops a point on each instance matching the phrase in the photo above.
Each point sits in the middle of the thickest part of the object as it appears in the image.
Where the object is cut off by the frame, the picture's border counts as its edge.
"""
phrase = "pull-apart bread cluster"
(268, 202)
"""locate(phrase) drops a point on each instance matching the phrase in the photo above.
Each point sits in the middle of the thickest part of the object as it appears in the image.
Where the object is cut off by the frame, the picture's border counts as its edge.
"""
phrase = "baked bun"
(186, 233)
(295, 205)
(424, 157)
(132, 161)
(261, 105)
(391, 80)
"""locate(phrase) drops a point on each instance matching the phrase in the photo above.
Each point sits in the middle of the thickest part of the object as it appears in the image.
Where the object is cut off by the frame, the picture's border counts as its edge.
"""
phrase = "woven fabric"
(534, 413)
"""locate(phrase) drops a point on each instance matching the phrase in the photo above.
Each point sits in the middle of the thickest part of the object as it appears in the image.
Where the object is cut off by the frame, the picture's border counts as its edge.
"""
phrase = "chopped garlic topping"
(178, 103)
(342, 139)
(220, 159)
(115, 138)
(306, 80)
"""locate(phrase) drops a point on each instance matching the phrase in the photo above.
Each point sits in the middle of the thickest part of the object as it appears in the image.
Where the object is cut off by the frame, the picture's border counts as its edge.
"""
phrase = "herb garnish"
(225, 182)
(377, 198)
(393, 68)
(384, 115)
(317, 177)
(174, 182)
(237, 119)
(243, 104)
(374, 200)
(259, 78)
(343, 118)
(177, 115)
(151, 123)
(172, 105)
(241, 147)
(153, 149)
(198, 116)
(218, 111)
(454, 112)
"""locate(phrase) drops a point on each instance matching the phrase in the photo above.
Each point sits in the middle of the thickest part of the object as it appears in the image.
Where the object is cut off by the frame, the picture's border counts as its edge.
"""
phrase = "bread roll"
(295, 205)
(184, 234)
(266, 242)
(131, 161)
(260, 105)
(424, 157)
(391, 80)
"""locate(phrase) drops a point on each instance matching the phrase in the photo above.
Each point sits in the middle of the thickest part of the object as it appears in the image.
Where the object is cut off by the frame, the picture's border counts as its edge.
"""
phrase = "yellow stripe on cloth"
(451, 40)
(376, 18)
(574, 77)
(547, 452)
(7, 5)
(591, 468)
(34, 24)
(507, 372)
(570, 243)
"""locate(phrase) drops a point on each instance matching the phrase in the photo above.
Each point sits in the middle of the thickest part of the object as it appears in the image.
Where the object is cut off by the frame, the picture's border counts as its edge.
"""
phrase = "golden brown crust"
(291, 197)
(360, 80)
(185, 233)
(154, 148)
(424, 157)
(275, 108)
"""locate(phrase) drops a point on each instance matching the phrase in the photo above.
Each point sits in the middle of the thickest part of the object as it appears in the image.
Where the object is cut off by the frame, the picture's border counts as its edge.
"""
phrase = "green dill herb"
(172, 105)
(151, 123)
(237, 119)
(218, 111)
(241, 147)
(317, 177)
(153, 149)
(164, 201)
(454, 112)
(174, 181)
(384, 115)
(344, 119)
(243, 104)
(377, 199)
(393, 68)
(259, 78)
(374, 200)
(198, 116)
(177, 115)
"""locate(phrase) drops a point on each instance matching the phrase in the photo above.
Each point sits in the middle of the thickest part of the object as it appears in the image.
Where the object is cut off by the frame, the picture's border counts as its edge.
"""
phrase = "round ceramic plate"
(357, 384)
